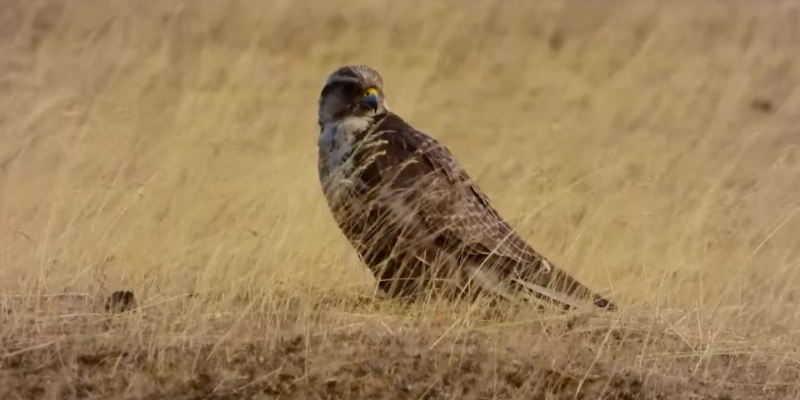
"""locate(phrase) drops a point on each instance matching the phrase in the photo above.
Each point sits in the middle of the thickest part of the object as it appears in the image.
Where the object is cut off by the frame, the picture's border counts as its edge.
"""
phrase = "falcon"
(413, 214)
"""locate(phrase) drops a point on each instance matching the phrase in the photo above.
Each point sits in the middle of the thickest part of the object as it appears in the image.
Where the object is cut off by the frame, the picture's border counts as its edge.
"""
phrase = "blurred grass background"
(650, 148)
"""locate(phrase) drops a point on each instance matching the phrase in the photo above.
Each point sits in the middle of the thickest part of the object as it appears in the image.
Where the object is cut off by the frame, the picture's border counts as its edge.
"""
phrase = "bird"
(413, 215)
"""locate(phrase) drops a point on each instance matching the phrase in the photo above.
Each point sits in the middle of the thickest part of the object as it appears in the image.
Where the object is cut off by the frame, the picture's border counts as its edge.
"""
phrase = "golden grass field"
(651, 149)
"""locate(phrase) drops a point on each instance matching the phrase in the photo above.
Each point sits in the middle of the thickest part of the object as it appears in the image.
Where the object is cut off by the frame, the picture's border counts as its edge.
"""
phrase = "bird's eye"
(350, 88)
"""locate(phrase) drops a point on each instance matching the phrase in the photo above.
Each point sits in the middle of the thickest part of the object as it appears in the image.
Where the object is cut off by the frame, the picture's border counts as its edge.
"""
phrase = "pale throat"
(336, 142)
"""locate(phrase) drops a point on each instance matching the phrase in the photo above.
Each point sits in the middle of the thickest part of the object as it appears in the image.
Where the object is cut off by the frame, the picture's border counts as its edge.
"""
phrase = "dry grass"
(651, 148)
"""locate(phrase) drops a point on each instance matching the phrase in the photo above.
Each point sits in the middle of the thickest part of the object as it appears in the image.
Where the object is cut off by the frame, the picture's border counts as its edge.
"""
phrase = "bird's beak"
(371, 100)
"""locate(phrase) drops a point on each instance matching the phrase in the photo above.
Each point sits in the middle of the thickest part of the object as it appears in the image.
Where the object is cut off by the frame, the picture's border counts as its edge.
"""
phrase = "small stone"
(121, 301)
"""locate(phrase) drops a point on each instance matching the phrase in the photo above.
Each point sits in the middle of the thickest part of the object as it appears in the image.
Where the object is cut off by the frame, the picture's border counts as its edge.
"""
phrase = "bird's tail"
(544, 282)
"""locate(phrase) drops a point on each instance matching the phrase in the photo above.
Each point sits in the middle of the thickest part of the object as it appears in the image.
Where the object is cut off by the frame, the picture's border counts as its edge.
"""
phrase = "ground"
(374, 351)
(169, 149)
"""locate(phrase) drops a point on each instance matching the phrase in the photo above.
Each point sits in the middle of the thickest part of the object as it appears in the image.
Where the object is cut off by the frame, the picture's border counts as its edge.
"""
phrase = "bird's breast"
(336, 165)
(335, 148)
(336, 143)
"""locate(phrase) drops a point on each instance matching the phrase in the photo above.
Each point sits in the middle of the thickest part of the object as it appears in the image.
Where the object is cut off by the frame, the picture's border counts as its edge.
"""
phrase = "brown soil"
(351, 354)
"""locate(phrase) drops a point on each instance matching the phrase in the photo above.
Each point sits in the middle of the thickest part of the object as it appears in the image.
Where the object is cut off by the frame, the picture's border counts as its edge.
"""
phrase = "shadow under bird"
(413, 214)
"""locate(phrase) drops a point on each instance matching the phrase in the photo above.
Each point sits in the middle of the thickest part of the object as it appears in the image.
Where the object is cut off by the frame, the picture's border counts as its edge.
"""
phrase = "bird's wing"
(409, 171)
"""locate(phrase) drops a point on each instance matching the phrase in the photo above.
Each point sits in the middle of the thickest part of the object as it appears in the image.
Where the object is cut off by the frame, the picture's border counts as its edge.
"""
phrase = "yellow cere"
(370, 91)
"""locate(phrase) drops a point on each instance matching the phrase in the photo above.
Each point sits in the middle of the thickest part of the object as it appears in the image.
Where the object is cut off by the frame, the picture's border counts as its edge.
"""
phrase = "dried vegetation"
(168, 148)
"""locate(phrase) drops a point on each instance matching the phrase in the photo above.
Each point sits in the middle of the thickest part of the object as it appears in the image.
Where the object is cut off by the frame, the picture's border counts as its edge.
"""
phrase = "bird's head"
(352, 91)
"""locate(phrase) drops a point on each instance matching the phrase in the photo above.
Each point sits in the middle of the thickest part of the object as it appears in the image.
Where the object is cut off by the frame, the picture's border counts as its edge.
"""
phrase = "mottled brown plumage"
(412, 213)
